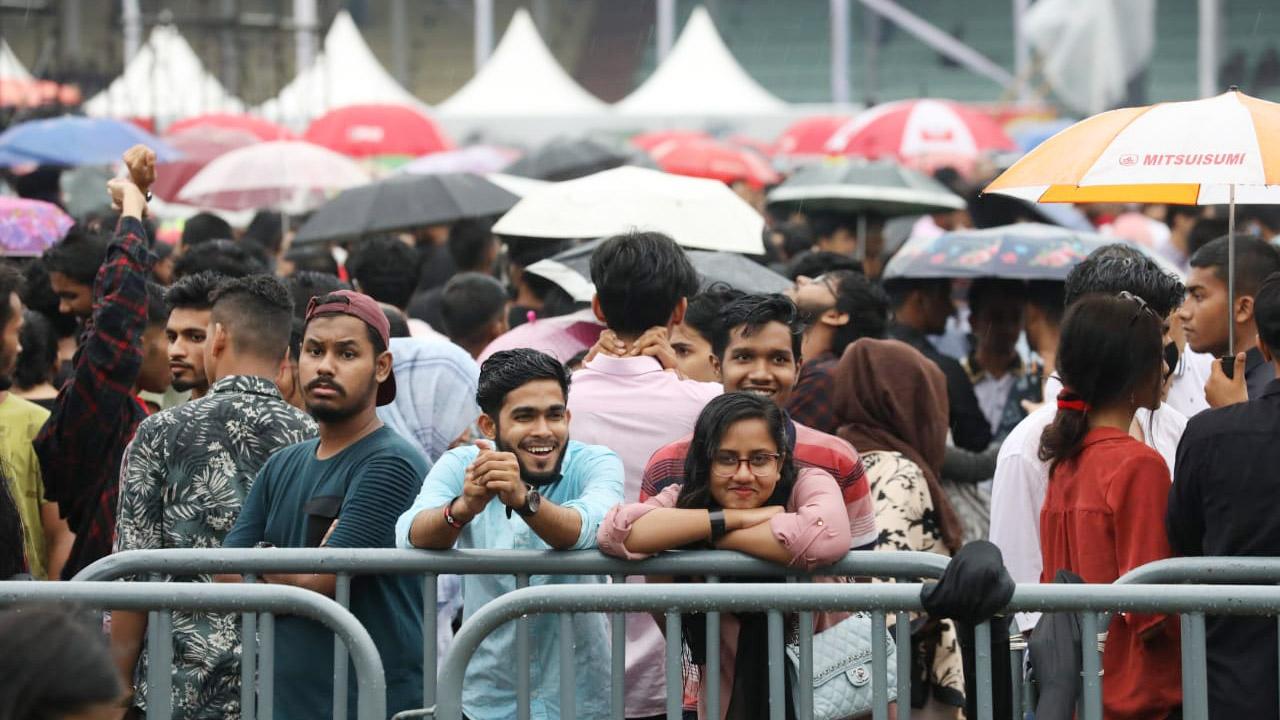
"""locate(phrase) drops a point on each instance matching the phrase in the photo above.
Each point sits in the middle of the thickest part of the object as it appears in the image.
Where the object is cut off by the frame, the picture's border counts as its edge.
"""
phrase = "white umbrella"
(287, 175)
(696, 213)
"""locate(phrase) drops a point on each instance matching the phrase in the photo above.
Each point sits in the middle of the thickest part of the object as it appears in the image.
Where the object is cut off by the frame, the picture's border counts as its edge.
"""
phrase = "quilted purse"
(842, 669)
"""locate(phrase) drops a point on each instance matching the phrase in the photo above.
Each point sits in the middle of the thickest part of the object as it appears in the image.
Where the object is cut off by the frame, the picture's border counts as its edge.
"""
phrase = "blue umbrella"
(71, 140)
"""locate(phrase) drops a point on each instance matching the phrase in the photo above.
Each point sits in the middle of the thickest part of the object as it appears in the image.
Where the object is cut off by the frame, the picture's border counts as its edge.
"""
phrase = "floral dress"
(907, 521)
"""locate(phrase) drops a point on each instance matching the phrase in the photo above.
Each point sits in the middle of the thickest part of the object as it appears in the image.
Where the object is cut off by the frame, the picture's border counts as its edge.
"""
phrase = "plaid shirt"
(81, 445)
(810, 402)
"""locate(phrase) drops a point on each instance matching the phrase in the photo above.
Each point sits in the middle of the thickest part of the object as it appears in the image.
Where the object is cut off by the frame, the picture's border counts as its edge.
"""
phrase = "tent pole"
(666, 27)
(840, 52)
(1231, 271)
(483, 31)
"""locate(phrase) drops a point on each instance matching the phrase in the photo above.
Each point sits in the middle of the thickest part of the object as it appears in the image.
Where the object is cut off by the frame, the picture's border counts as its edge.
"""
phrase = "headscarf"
(435, 394)
(889, 397)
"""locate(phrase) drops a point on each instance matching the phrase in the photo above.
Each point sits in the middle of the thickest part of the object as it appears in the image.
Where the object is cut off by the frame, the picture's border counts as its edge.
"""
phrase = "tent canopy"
(345, 72)
(10, 66)
(700, 77)
(521, 78)
(165, 80)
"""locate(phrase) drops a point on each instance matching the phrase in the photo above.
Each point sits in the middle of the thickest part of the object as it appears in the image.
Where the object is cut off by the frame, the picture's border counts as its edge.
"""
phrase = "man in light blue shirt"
(551, 493)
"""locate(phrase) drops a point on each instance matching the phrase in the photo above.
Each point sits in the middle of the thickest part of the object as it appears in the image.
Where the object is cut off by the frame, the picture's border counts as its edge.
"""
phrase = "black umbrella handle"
(1228, 363)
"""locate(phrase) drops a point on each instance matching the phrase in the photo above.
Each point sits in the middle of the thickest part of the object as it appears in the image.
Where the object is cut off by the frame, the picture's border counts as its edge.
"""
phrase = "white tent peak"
(521, 78)
(700, 77)
(10, 66)
(166, 81)
(345, 72)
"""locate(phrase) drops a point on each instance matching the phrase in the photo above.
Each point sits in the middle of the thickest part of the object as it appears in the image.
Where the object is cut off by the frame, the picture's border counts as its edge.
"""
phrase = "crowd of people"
(229, 392)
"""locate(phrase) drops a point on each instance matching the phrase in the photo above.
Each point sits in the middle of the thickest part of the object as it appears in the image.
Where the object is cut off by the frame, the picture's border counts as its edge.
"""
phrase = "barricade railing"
(1225, 570)
(264, 601)
(523, 564)
(1089, 601)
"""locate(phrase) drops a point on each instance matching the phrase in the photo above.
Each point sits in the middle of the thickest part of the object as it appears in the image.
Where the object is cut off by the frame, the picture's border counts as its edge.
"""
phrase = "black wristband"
(718, 529)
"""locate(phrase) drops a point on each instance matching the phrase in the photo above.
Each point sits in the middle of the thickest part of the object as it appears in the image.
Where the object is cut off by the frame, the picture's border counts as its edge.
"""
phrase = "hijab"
(889, 397)
(435, 394)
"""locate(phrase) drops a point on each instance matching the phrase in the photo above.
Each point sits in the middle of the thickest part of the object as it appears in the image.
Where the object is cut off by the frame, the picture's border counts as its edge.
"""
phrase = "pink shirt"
(634, 407)
(814, 528)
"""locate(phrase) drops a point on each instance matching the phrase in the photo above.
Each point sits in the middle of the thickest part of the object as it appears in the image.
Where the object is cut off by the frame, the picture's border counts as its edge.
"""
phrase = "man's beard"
(6, 382)
(186, 385)
(531, 478)
(330, 414)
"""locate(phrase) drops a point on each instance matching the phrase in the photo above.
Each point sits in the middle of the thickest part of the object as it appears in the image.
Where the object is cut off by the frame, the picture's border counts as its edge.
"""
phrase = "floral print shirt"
(184, 478)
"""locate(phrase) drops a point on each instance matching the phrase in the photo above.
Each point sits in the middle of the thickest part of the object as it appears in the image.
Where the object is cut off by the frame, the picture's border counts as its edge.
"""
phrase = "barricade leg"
(618, 660)
(342, 594)
(777, 662)
(523, 655)
(675, 681)
(1091, 665)
(568, 696)
(267, 677)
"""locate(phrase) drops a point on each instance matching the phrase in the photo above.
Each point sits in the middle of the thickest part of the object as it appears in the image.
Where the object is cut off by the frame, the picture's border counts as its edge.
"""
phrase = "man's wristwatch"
(452, 521)
(532, 501)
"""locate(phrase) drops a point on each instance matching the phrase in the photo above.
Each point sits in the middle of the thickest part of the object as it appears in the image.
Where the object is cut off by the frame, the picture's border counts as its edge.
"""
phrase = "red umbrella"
(809, 136)
(365, 130)
(649, 140)
(263, 129)
(919, 131)
(714, 160)
(199, 146)
(746, 142)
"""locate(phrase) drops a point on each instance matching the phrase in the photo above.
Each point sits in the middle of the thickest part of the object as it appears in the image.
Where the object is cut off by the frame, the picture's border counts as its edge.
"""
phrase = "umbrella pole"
(861, 253)
(1231, 272)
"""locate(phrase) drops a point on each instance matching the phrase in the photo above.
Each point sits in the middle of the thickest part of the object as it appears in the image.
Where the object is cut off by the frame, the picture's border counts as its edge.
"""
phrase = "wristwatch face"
(531, 502)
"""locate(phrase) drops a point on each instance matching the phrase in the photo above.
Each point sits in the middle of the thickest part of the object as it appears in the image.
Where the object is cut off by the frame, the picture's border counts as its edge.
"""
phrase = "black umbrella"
(403, 202)
(881, 188)
(568, 158)
(732, 269)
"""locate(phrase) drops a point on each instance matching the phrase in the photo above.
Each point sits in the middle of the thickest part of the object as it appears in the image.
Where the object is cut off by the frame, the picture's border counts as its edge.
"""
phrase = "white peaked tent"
(345, 72)
(10, 66)
(521, 78)
(165, 80)
(700, 77)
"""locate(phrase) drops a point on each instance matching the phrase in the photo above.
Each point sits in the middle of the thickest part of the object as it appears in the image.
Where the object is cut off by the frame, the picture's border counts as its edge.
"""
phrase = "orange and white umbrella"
(1183, 153)
(1220, 150)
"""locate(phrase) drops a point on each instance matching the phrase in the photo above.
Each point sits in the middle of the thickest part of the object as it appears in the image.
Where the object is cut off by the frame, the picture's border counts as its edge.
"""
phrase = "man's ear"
(487, 426)
(383, 366)
(834, 318)
(218, 341)
(715, 365)
(599, 311)
(1244, 309)
(677, 315)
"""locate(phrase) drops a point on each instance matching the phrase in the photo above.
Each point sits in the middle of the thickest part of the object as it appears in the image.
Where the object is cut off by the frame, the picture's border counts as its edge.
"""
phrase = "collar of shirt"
(1104, 434)
(1273, 388)
(250, 384)
(976, 373)
(624, 366)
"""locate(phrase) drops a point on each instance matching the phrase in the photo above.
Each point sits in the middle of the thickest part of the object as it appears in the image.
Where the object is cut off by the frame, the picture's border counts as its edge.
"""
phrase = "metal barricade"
(672, 600)
(523, 564)
(267, 601)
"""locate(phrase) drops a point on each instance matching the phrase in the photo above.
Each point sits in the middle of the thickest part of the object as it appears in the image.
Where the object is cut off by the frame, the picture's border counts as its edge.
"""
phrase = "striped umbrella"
(1224, 149)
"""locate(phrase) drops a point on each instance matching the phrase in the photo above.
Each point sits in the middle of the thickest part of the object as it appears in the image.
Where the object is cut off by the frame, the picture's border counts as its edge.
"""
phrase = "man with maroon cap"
(344, 489)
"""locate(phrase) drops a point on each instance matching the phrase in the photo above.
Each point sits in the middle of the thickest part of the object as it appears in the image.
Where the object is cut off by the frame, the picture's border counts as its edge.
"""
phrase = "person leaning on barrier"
(527, 487)
(741, 491)
(342, 490)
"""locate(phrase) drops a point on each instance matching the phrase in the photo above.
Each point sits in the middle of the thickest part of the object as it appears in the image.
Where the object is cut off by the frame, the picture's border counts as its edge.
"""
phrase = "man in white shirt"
(632, 405)
(1022, 478)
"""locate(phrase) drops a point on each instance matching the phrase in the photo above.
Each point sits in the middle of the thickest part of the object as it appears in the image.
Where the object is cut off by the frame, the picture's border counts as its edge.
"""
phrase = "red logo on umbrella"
(1128, 160)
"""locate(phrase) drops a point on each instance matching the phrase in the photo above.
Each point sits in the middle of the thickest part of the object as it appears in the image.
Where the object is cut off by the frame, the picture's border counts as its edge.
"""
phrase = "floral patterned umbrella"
(1026, 251)
(29, 227)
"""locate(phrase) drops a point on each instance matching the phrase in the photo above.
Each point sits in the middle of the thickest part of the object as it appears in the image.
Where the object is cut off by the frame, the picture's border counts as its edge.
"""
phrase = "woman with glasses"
(1108, 493)
(891, 402)
(742, 492)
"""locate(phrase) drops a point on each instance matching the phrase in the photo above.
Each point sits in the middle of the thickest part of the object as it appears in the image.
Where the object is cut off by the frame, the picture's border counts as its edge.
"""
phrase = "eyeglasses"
(760, 464)
(1142, 306)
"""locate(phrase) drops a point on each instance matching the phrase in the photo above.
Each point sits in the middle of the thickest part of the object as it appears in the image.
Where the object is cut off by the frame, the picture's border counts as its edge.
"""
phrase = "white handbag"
(842, 669)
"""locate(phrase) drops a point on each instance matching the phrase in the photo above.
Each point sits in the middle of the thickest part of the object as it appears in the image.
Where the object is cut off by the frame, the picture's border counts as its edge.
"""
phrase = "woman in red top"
(1104, 511)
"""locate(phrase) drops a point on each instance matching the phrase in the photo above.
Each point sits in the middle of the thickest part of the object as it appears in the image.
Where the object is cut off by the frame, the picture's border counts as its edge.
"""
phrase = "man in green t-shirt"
(344, 489)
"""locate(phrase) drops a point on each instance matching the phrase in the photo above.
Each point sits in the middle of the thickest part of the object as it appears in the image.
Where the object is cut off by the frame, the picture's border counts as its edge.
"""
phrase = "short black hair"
(257, 312)
(10, 283)
(509, 370)
(1118, 267)
(386, 269)
(193, 291)
(1266, 312)
(525, 251)
(469, 243)
(78, 255)
(703, 314)
(157, 310)
(820, 262)
(1255, 261)
(312, 258)
(797, 237)
(825, 223)
(470, 302)
(753, 312)
(899, 289)
(984, 289)
(1205, 231)
(1049, 297)
(306, 284)
(867, 306)
(204, 227)
(266, 230)
(221, 256)
(39, 351)
(397, 323)
(640, 278)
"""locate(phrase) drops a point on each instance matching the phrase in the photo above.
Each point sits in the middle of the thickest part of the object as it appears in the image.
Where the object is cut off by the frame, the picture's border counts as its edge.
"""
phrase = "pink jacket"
(815, 529)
